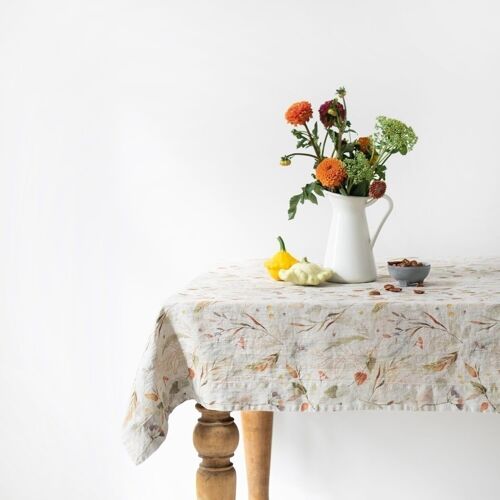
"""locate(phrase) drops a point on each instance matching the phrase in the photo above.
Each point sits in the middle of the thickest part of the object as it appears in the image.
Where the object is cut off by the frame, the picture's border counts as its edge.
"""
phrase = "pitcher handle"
(384, 218)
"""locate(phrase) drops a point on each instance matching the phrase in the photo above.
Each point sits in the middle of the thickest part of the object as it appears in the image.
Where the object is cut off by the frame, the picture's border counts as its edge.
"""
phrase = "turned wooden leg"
(215, 438)
(257, 436)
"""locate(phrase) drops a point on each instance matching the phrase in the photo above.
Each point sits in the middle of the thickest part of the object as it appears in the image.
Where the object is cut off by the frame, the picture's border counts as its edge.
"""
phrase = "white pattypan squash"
(306, 273)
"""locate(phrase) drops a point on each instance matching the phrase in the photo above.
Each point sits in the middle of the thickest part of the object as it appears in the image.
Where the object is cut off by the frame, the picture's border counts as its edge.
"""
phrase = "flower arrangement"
(351, 165)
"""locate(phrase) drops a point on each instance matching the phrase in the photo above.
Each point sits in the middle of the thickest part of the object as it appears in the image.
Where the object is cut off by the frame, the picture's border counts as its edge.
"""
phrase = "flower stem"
(324, 144)
(301, 154)
(313, 142)
(341, 131)
(382, 160)
(339, 142)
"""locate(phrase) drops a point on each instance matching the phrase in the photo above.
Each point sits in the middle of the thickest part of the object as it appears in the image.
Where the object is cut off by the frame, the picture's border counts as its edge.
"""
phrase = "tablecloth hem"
(346, 407)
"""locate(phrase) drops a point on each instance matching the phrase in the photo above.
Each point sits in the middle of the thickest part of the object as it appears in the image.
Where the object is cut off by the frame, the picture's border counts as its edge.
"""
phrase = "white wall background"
(139, 144)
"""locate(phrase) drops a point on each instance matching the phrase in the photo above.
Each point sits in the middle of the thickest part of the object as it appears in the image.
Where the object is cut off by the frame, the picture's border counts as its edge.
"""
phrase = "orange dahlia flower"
(331, 172)
(365, 144)
(299, 113)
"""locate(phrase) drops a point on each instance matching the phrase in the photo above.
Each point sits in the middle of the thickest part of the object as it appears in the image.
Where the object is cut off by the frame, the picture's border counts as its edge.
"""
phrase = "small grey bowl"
(408, 276)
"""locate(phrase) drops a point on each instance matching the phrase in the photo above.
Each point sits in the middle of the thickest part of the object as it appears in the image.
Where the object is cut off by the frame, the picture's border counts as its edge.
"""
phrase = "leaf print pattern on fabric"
(345, 340)
(378, 307)
(237, 340)
(472, 371)
(442, 363)
(264, 364)
(331, 392)
(131, 408)
(299, 389)
(479, 387)
(360, 377)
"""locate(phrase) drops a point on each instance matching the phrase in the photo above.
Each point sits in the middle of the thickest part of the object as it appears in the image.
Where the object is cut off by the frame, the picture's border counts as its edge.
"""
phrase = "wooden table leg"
(215, 438)
(257, 436)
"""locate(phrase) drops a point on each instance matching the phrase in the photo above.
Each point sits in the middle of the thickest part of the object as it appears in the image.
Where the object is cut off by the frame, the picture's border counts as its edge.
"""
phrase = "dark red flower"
(326, 119)
(377, 189)
(340, 110)
(331, 113)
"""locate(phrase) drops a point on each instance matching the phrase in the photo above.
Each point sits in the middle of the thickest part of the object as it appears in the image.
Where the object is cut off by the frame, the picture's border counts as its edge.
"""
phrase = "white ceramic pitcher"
(349, 252)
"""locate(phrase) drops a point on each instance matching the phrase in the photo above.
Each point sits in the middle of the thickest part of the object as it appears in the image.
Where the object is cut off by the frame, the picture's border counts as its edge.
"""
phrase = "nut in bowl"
(408, 272)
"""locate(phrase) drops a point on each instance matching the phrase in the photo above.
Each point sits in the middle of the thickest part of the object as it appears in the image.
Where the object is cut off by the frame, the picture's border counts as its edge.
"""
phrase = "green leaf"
(380, 171)
(315, 130)
(318, 189)
(292, 209)
(307, 193)
(360, 189)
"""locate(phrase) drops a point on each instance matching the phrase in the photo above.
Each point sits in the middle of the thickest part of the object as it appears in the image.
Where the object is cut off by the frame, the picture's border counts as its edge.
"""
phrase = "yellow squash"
(281, 260)
(306, 273)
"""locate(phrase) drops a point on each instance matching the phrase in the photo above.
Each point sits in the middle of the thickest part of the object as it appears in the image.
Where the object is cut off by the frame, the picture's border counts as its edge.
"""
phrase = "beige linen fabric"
(237, 340)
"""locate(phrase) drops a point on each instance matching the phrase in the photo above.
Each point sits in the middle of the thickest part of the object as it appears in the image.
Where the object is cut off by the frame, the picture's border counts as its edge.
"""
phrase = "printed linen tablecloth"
(237, 340)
